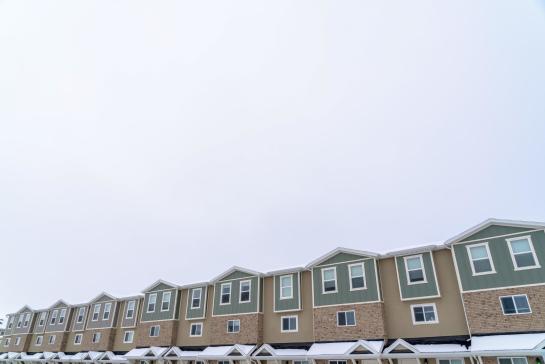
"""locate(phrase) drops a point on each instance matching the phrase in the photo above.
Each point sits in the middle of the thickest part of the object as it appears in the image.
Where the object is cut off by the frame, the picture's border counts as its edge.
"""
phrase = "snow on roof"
(338, 250)
(153, 351)
(3, 356)
(290, 352)
(31, 356)
(179, 353)
(507, 342)
(413, 249)
(222, 351)
(338, 348)
(440, 348)
(109, 356)
(12, 355)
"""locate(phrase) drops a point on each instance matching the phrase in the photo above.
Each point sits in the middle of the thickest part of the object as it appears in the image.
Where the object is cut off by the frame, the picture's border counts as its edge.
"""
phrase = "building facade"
(477, 298)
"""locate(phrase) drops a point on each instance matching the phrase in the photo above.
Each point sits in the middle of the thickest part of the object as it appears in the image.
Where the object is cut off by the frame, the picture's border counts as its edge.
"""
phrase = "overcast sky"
(173, 139)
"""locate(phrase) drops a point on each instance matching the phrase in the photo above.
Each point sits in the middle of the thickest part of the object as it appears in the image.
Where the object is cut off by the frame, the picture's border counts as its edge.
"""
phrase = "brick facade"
(167, 334)
(369, 323)
(485, 316)
(251, 330)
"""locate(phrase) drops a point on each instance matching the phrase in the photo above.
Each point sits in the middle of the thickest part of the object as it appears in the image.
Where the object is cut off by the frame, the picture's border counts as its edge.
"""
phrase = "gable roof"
(59, 302)
(24, 308)
(340, 250)
(103, 294)
(158, 282)
(493, 221)
(235, 269)
(400, 342)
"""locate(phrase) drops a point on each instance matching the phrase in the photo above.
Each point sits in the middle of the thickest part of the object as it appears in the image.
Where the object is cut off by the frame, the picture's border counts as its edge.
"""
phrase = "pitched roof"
(340, 250)
(235, 269)
(103, 294)
(158, 282)
(58, 303)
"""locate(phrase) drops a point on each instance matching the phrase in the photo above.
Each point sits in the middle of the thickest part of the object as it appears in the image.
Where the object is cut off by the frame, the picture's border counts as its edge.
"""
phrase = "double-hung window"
(107, 310)
(337, 362)
(96, 310)
(346, 318)
(39, 340)
(154, 330)
(233, 326)
(7, 341)
(165, 301)
(130, 310)
(54, 317)
(196, 298)
(62, 316)
(522, 252)
(225, 293)
(414, 266)
(17, 340)
(424, 314)
(513, 360)
(52, 339)
(77, 339)
(245, 287)
(286, 287)
(128, 336)
(515, 305)
(20, 321)
(152, 301)
(195, 329)
(480, 259)
(96, 337)
(81, 313)
(289, 323)
(357, 276)
(27, 320)
(329, 280)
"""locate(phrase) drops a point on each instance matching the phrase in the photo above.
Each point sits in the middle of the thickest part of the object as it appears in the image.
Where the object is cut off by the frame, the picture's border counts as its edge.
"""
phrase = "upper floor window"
(196, 298)
(515, 305)
(514, 360)
(522, 252)
(286, 287)
(96, 311)
(152, 300)
(165, 301)
(480, 259)
(233, 326)
(128, 337)
(130, 309)
(77, 339)
(20, 321)
(81, 313)
(424, 314)
(96, 337)
(356, 275)
(225, 294)
(39, 340)
(52, 339)
(107, 310)
(414, 267)
(42, 319)
(346, 318)
(195, 329)
(62, 316)
(27, 320)
(54, 317)
(329, 280)
(154, 330)
(245, 287)
(10, 323)
(289, 323)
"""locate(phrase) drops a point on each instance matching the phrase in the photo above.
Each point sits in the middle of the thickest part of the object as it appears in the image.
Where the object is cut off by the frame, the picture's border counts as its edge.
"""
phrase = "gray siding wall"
(235, 307)
(410, 291)
(158, 315)
(506, 275)
(287, 304)
(127, 322)
(79, 326)
(196, 313)
(23, 329)
(343, 294)
(101, 323)
(39, 329)
(57, 326)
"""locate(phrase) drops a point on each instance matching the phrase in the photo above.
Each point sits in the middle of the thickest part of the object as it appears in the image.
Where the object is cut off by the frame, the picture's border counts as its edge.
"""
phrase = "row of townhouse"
(477, 298)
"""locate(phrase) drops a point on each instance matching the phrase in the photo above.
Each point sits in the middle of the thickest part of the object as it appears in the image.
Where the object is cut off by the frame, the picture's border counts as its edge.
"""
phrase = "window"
(224, 362)
(20, 321)
(300, 362)
(479, 256)
(130, 309)
(516, 360)
(225, 294)
(451, 361)
(128, 336)
(289, 323)
(52, 339)
(195, 329)
(62, 316)
(233, 326)
(27, 320)
(107, 310)
(154, 331)
(96, 338)
(17, 340)
(424, 314)
(245, 287)
(77, 339)
(165, 301)
(96, 310)
(357, 277)
(329, 280)
(7, 341)
(152, 300)
(196, 298)
(54, 317)
(522, 252)
(286, 287)
(81, 313)
(515, 305)
(337, 362)
(346, 318)
(42, 319)
(414, 267)
(39, 340)
(10, 324)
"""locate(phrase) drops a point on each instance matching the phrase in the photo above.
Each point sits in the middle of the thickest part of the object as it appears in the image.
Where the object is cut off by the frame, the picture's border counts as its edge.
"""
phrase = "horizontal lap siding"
(421, 289)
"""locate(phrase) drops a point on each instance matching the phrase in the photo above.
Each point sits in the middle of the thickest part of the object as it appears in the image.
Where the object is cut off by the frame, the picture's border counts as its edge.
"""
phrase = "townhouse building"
(476, 298)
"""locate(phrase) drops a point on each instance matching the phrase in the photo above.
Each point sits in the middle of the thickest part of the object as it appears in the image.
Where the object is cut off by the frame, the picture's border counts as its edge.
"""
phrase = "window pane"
(350, 318)
(519, 361)
(357, 282)
(508, 305)
(429, 313)
(341, 318)
(329, 274)
(482, 266)
(414, 263)
(329, 286)
(505, 361)
(478, 252)
(418, 314)
(416, 275)
(525, 260)
(520, 246)
(356, 270)
(286, 292)
(521, 303)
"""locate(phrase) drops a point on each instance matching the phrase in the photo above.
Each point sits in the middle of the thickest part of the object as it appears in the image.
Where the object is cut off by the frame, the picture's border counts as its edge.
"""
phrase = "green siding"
(159, 287)
(196, 312)
(286, 304)
(505, 275)
(417, 290)
(235, 307)
(342, 257)
(495, 230)
(343, 294)
(236, 275)
(158, 314)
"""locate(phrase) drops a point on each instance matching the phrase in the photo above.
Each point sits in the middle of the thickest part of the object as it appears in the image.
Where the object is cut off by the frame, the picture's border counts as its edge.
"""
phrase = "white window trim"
(26, 321)
(169, 293)
(249, 291)
(131, 332)
(108, 310)
(363, 276)
(323, 281)
(485, 244)
(436, 321)
(154, 295)
(7, 342)
(290, 276)
(233, 332)
(81, 313)
(17, 340)
(450, 360)
(96, 335)
(337, 361)
(289, 317)
(158, 330)
(191, 329)
(54, 316)
(337, 318)
(51, 340)
(81, 339)
(511, 358)
(421, 258)
(221, 293)
(43, 316)
(516, 313)
(39, 338)
(199, 289)
(97, 311)
(128, 310)
(532, 250)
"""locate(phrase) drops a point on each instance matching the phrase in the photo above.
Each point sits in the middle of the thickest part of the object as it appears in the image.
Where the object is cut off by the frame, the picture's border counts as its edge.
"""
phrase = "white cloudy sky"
(173, 139)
